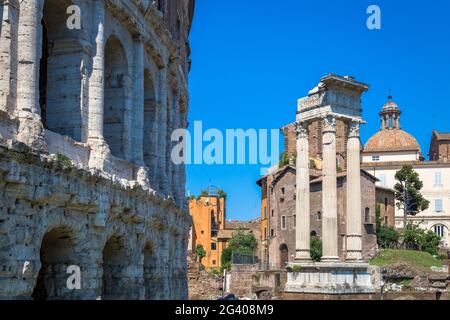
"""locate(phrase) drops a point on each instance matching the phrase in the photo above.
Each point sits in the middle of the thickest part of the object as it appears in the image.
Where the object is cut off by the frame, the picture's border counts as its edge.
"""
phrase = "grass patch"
(416, 258)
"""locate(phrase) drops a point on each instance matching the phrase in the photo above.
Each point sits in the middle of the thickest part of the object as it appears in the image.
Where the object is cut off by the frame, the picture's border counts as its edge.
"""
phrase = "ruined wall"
(111, 229)
(86, 172)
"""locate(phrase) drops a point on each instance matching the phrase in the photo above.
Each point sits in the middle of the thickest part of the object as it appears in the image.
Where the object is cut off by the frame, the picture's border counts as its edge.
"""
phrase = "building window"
(439, 230)
(213, 246)
(265, 212)
(386, 220)
(265, 233)
(214, 262)
(203, 232)
(283, 191)
(272, 212)
(438, 179)
(375, 158)
(295, 220)
(385, 204)
(283, 222)
(367, 215)
(438, 205)
(319, 215)
(272, 233)
(383, 179)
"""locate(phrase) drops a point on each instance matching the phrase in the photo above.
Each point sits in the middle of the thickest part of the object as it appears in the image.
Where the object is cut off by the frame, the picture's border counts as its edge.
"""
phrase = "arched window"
(367, 215)
(61, 74)
(439, 229)
(117, 83)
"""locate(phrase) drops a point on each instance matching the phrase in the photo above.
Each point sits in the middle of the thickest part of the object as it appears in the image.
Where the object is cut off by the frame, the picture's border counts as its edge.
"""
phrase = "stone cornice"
(21, 153)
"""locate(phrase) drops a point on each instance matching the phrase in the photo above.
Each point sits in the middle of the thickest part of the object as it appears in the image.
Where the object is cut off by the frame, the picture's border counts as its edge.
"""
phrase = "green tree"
(417, 238)
(200, 252)
(226, 258)
(316, 249)
(222, 194)
(243, 242)
(407, 193)
(286, 158)
(387, 237)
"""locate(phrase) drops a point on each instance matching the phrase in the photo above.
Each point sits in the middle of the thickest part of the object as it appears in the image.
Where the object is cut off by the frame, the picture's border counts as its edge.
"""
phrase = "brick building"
(440, 147)
(278, 229)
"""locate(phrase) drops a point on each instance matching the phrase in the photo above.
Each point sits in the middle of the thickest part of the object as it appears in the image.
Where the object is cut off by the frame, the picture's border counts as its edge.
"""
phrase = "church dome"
(391, 137)
(392, 140)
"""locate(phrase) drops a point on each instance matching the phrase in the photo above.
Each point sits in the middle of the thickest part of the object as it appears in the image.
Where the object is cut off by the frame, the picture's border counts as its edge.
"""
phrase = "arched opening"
(150, 280)
(56, 254)
(60, 75)
(442, 231)
(367, 215)
(284, 256)
(115, 261)
(117, 84)
(150, 141)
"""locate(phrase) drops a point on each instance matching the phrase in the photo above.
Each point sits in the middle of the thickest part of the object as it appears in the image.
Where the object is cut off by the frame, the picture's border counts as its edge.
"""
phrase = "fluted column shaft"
(97, 78)
(354, 241)
(329, 192)
(302, 203)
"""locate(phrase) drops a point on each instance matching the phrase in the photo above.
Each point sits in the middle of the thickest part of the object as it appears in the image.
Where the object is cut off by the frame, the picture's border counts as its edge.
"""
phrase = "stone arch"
(150, 269)
(150, 141)
(284, 255)
(57, 253)
(117, 88)
(60, 77)
(122, 270)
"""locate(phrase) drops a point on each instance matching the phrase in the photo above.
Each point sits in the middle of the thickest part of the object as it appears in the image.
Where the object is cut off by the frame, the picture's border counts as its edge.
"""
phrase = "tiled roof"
(237, 225)
(392, 140)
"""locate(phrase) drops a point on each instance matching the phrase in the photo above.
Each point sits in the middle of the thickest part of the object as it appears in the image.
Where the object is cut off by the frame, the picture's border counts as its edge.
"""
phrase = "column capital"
(301, 129)
(353, 130)
(329, 124)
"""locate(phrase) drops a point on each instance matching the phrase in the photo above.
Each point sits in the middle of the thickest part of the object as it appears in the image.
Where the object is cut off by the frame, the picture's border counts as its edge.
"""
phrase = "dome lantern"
(390, 115)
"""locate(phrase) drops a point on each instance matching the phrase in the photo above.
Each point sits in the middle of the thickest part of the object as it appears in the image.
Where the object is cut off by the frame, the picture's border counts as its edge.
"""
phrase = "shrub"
(416, 238)
(64, 160)
(316, 249)
(200, 252)
(387, 237)
(226, 258)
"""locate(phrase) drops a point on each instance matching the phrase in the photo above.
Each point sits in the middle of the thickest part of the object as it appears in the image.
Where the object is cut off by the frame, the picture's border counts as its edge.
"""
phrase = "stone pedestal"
(335, 278)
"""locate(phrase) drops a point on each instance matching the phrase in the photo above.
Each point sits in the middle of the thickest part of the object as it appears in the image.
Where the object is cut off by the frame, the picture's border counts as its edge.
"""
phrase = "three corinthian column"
(329, 194)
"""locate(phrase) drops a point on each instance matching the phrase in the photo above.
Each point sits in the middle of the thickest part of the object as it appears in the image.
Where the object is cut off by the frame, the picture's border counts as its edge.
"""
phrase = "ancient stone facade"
(86, 117)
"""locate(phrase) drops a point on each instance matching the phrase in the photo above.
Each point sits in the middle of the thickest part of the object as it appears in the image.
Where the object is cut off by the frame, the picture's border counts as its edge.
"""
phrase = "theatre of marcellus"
(86, 177)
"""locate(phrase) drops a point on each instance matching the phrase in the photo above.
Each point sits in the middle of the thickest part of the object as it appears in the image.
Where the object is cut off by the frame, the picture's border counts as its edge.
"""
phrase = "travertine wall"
(85, 157)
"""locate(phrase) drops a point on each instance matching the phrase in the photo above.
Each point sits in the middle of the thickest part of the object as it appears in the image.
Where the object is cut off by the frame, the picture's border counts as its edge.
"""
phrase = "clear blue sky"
(252, 60)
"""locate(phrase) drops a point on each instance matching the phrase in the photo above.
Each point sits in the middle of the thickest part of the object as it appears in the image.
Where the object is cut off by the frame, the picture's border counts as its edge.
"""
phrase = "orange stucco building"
(208, 219)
